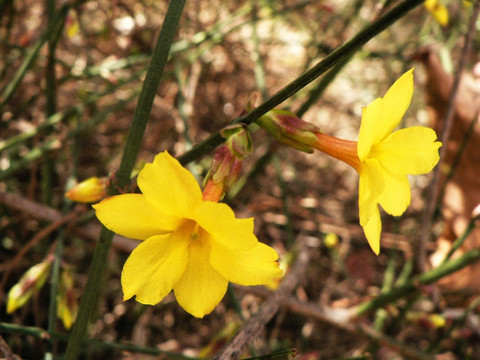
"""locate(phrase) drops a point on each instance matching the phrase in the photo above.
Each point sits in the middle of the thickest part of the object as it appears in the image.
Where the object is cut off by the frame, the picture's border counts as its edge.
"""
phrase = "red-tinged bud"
(227, 162)
(290, 130)
(89, 191)
(67, 305)
(427, 320)
(33, 280)
(223, 174)
(238, 140)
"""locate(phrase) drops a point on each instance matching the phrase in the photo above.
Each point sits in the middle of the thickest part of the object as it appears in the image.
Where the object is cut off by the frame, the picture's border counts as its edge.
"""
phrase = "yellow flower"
(191, 245)
(438, 11)
(384, 158)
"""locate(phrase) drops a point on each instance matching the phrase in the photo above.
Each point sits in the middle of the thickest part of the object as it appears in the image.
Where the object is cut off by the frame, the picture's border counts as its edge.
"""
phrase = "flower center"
(194, 234)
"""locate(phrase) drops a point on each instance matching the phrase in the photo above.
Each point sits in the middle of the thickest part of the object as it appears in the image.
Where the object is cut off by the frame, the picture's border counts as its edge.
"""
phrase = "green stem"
(317, 92)
(31, 156)
(459, 241)
(389, 275)
(259, 69)
(59, 18)
(149, 90)
(24, 136)
(428, 277)
(135, 135)
(341, 53)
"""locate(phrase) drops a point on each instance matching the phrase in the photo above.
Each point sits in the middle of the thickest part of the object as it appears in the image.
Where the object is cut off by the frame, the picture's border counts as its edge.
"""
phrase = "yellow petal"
(153, 268)
(408, 151)
(219, 221)
(201, 287)
(368, 134)
(383, 115)
(370, 189)
(170, 186)
(256, 266)
(372, 230)
(131, 215)
(396, 196)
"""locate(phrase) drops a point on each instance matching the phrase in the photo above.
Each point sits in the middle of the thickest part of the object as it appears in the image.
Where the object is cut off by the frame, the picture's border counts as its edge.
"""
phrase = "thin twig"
(448, 122)
(336, 56)
(39, 236)
(42, 212)
(132, 146)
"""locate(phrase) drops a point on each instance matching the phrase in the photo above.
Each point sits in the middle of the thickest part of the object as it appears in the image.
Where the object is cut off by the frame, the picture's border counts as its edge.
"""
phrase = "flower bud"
(438, 11)
(223, 173)
(67, 305)
(436, 320)
(290, 130)
(227, 162)
(33, 280)
(330, 240)
(89, 191)
(238, 140)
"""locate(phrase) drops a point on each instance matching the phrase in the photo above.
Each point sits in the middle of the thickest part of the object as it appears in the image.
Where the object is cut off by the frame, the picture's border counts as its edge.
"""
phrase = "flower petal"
(170, 186)
(383, 115)
(131, 215)
(219, 221)
(372, 230)
(369, 128)
(370, 189)
(396, 102)
(201, 287)
(409, 151)
(256, 266)
(153, 268)
(397, 196)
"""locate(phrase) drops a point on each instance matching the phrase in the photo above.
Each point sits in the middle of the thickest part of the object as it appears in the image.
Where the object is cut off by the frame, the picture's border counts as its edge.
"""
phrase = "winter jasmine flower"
(191, 245)
(383, 158)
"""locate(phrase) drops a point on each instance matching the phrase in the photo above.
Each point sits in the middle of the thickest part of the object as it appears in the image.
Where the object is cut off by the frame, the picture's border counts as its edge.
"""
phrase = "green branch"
(134, 139)
(447, 268)
(338, 55)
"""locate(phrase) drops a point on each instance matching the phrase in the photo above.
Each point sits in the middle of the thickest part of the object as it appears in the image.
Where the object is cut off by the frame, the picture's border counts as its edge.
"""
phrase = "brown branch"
(42, 212)
(9, 355)
(255, 325)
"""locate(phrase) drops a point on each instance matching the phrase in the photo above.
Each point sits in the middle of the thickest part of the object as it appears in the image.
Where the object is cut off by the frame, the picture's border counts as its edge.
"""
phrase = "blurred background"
(65, 115)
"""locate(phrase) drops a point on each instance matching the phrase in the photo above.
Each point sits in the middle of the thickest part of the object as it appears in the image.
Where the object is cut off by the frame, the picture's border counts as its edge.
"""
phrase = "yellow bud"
(437, 321)
(67, 305)
(330, 240)
(439, 11)
(33, 280)
(89, 191)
